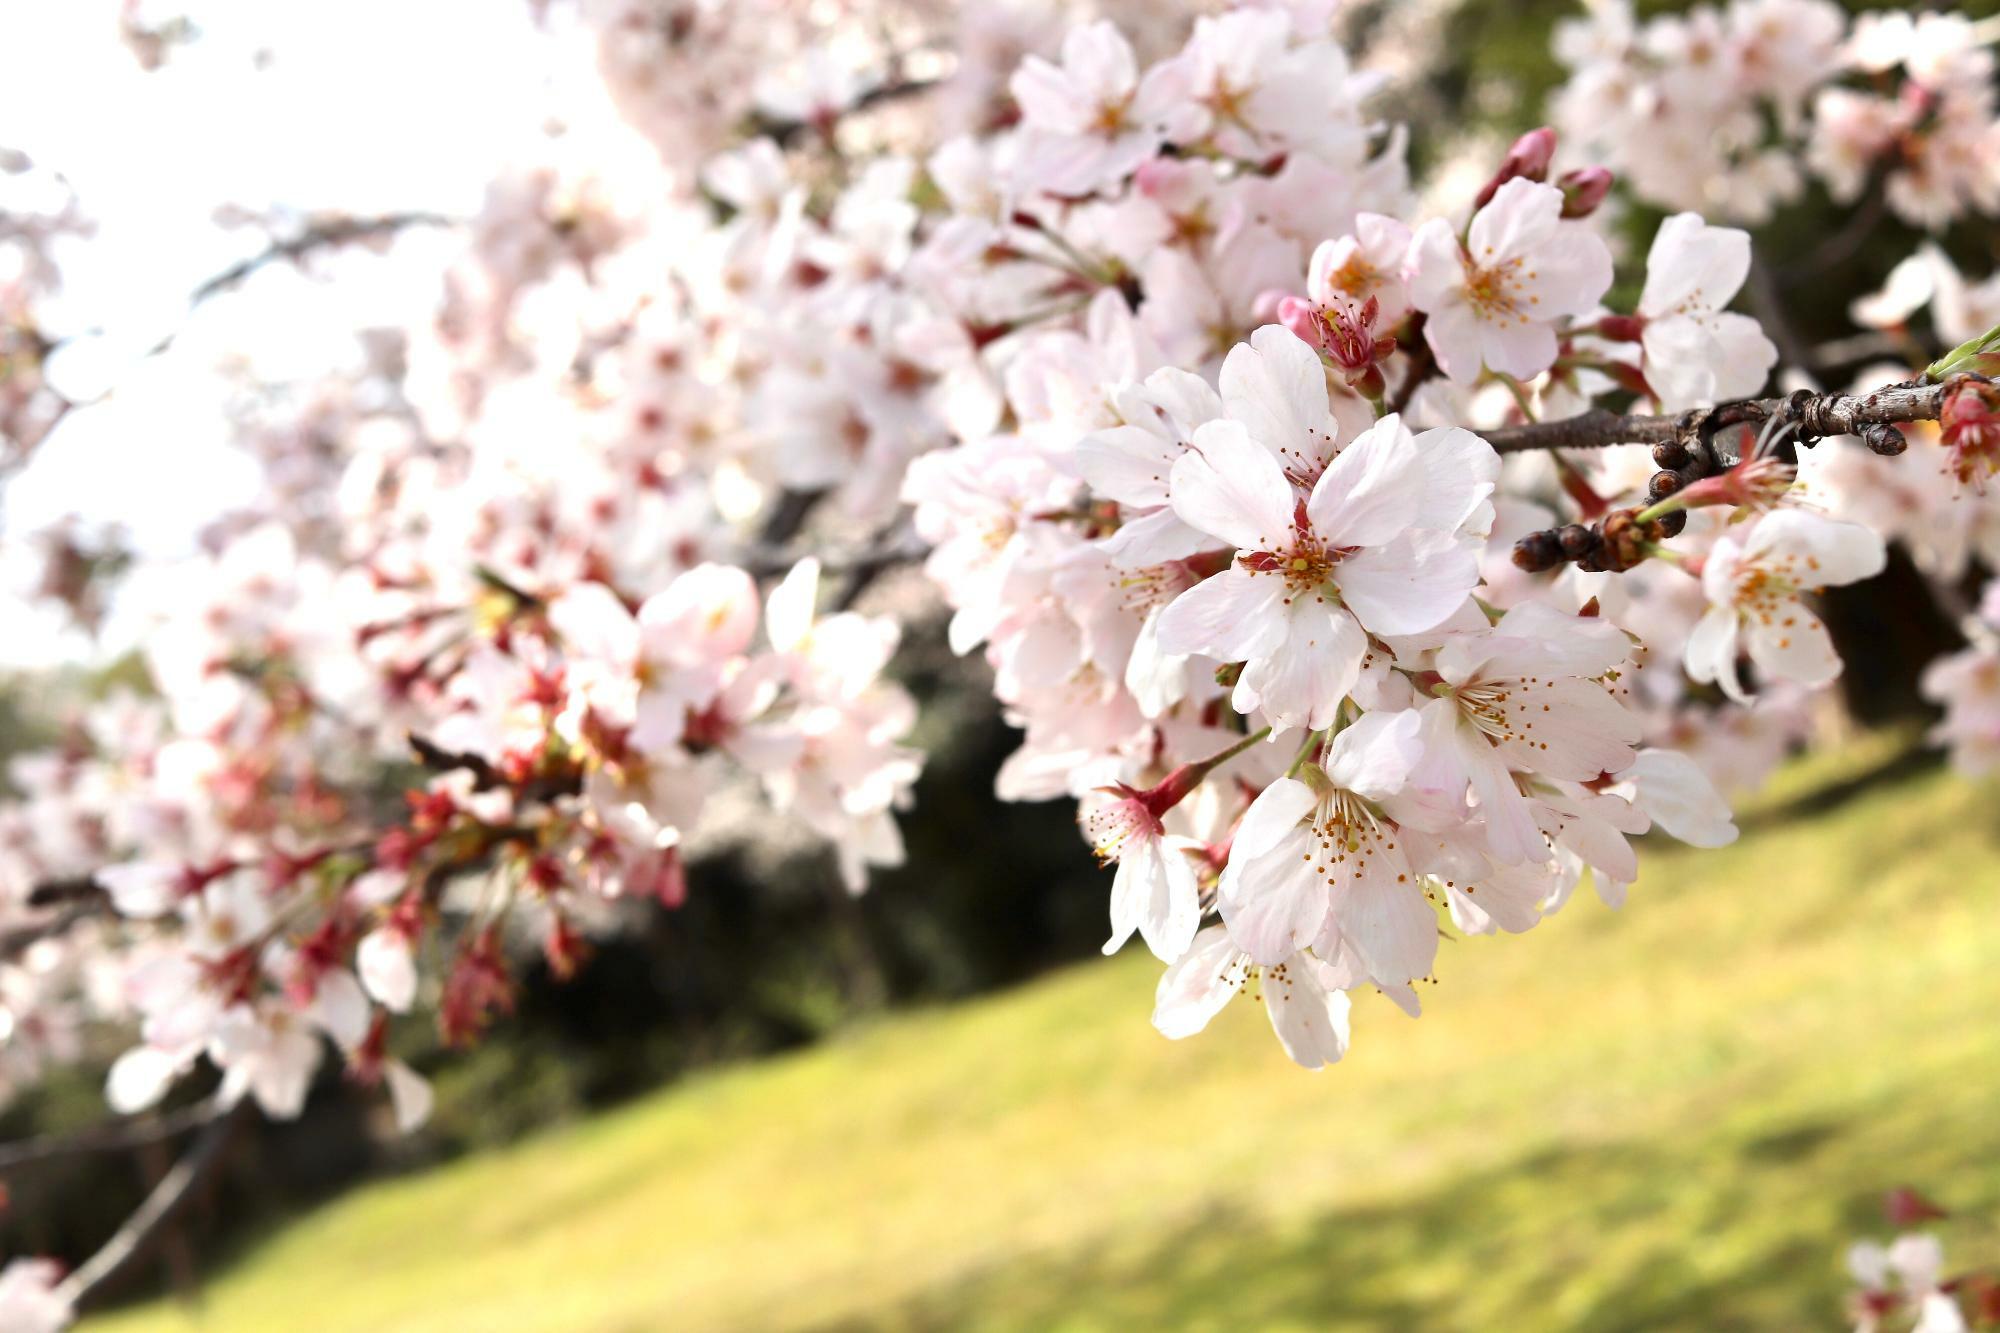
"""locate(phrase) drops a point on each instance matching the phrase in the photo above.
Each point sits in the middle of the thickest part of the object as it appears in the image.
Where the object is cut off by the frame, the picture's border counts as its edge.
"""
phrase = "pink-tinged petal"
(1521, 217)
(1794, 646)
(1310, 1020)
(1519, 347)
(1232, 616)
(1457, 339)
(1372, 492)
(1185, 398)
(1099, 60)
(1128, 464)
(1374, 757)
(1535, 639)
(705, 614)
(1302, 681)
(1410, 585)
(1047, 98)
(1274, 904)
(1154, 892)
(1153, 539)
(594, 624)
(1679, 362)
(1275, 813)
(1460, 472)
(1199, 984)
(1674, 792)
(1510, 825)
(1711, 651)
(1276, 386)
(1823, 552)
(1508, 899)
(1437, 267)
(1230, 486)
(1693, 265)
(1387, 921)
(1744, 357)
(1569, 277)
(141, 1076)
(410, 1096)
(1569, 728)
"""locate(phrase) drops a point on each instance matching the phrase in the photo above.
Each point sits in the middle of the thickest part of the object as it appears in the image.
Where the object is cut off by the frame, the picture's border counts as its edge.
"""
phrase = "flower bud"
(1970, 427)
(1529, 158)
(1622, 328)
(1584, 190)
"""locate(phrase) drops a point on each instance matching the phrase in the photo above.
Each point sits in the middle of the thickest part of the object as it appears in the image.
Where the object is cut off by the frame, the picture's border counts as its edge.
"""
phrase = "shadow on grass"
(1912, 760)
(1602, 1239)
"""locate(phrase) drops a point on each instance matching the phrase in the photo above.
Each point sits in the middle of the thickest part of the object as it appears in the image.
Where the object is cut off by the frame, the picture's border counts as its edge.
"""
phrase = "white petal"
(1274, 904)
(788, 612)
(1275, 813)
(1677, 795)
(1276, 386)
(1232, 487)
(1309, 1018)
(1232, 616)
(1301, 681)
(1372, 492)
(140, 1077)
(1374, 757)
(1410, 585)
(409, 1095)
(1389, 922)
(1197, 986)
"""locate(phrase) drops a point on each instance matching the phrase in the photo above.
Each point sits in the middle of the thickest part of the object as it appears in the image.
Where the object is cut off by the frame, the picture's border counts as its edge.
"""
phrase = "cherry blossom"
(1496, 299)
(1755, 587)
(1696, 350)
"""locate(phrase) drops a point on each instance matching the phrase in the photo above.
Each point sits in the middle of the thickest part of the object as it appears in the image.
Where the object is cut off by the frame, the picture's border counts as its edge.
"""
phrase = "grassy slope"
(1668, 1117)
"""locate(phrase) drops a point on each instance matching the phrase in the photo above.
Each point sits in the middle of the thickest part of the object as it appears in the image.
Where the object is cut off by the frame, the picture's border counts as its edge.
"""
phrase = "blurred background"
(933, 1106)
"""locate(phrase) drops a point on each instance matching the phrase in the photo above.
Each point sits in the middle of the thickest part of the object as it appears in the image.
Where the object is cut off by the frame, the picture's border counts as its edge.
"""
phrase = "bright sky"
(356, 106)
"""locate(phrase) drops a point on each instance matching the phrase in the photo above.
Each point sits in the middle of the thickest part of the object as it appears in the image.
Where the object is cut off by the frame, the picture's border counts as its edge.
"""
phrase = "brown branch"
(116, 1136)
(1815, 415)
(1684, 446)
(322, 235)
(787, 132)
(143, 1228)
(21, 938)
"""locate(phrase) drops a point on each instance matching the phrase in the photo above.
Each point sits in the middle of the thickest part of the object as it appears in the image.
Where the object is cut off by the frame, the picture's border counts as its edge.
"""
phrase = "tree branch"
(1816, 416)
(131, 1241)
(113, 1137)
(787, 132)
(1684, 446)
(320, 235)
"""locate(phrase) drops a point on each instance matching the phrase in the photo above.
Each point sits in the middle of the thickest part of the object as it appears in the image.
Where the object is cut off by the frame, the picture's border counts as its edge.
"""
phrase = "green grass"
(1671, 1117)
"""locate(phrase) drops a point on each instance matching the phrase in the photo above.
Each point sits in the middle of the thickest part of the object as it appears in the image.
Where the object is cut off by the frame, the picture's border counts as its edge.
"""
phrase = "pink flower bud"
(1529, 157)
(1584, 190)
(1622, 328)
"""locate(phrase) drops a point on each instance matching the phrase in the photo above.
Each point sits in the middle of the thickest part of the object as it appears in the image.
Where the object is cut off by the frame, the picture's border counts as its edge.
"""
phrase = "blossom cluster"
(1726, 110)
(1207, 435)
(1905, 1284)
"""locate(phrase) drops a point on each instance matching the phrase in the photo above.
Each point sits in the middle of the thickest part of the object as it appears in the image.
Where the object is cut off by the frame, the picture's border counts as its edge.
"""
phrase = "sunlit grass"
(1674, 1116)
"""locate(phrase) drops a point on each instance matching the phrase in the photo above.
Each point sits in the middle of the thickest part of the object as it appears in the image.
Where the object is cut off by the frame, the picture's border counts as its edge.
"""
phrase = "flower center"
(1496, 292)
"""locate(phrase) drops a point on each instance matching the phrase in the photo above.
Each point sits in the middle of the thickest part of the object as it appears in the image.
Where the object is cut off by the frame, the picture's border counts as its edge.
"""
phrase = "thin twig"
(323, 235)
(131, 1241)
(113, 1137)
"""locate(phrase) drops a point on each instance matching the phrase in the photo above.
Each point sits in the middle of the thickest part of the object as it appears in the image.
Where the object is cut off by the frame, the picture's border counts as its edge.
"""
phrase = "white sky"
(356, 106)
